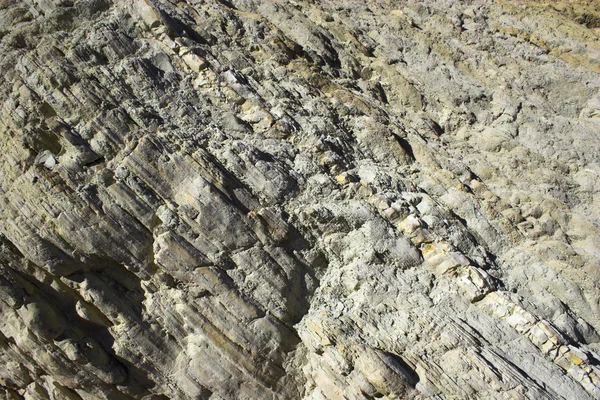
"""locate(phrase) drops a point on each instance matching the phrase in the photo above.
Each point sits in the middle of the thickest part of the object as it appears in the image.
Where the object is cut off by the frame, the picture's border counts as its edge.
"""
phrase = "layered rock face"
(245, 199)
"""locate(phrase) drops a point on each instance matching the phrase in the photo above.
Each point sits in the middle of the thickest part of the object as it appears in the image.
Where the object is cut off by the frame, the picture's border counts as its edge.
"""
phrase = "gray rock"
(299, 200)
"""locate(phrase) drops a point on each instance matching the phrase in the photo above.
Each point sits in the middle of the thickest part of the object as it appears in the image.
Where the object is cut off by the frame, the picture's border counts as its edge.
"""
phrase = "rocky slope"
(245, 199)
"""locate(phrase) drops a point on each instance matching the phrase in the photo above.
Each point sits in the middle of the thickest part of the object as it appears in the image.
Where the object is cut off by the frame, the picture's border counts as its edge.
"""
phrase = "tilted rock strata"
(320, 200)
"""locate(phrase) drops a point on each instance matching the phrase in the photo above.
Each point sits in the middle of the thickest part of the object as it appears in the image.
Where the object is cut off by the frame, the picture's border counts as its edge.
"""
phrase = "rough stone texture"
(245, 199)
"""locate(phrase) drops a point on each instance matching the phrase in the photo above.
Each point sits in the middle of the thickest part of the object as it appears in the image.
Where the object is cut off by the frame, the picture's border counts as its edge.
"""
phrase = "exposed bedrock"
(244, 199)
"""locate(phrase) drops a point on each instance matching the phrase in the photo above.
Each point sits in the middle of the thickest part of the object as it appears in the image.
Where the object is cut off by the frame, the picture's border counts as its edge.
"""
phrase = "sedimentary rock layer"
(244, 199)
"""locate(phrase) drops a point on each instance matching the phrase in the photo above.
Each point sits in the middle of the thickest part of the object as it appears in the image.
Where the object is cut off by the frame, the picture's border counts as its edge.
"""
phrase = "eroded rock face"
(243, 199)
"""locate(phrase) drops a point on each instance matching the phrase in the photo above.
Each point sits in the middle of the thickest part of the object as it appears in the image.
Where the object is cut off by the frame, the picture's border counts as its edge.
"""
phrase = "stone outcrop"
(244, 199)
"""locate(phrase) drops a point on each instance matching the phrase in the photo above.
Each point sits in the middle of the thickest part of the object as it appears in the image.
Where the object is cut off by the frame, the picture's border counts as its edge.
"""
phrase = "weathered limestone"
(242, 199)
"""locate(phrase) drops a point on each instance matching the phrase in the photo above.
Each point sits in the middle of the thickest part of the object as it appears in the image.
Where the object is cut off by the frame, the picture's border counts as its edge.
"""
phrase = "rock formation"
(247, 199)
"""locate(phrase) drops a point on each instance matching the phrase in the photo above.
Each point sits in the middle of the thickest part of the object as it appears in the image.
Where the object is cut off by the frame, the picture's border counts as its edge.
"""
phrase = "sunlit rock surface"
(238, 199)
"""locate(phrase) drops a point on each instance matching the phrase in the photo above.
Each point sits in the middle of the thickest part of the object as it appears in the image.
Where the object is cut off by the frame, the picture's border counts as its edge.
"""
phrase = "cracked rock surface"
(245, 199)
